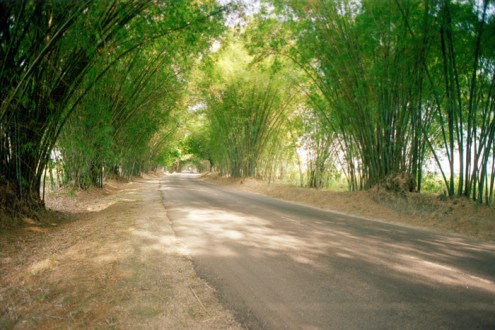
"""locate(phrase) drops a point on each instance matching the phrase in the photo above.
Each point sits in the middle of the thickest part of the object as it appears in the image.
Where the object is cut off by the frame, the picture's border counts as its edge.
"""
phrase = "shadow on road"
(298, 266)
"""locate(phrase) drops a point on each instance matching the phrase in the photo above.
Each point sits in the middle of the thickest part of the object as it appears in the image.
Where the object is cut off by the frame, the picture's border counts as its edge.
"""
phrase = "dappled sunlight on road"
(253, 233)
(235, 230)
(441, 273)
(293, 266)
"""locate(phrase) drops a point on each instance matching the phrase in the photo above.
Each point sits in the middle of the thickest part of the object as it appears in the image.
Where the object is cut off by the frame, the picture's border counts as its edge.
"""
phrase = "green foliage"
(433, 183)
(247, 109)
(47, 48)
(400, 80)
(111, 70)
(124, 87)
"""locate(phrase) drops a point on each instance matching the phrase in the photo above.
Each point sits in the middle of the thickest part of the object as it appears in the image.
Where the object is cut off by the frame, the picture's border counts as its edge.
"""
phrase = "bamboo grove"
(389, 87)
(248, 108)
(398, 82)
(90, 83)
(377, 92)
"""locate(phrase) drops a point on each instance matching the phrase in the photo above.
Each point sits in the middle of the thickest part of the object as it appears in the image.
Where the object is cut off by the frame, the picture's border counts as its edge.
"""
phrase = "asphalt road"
(281, 265)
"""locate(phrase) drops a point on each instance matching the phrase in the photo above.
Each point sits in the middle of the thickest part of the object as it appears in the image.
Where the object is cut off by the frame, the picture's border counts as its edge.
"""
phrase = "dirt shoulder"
(109, 260)
(459, 216)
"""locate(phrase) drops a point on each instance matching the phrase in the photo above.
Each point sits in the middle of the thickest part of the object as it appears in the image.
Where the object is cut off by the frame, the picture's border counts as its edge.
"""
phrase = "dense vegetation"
(90, 84)
(399, 82)
(370, 92)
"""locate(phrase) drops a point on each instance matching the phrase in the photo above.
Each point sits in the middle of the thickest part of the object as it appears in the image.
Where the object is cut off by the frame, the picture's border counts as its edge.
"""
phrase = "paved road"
(280, 265)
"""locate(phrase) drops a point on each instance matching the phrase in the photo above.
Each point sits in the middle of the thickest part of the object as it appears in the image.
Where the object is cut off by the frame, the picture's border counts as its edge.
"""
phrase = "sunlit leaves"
(400, 78)
(58, 62)
(142, 88)
(247, 106)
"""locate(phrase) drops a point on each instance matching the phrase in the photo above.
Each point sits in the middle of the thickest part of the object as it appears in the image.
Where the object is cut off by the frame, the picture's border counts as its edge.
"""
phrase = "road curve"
(280, 265)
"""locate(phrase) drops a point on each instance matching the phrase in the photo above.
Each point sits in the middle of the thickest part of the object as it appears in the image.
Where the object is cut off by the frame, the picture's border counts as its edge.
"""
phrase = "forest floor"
(110, 259)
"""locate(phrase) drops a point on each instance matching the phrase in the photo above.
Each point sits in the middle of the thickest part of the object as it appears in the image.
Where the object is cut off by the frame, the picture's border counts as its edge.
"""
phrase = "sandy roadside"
(115, 265)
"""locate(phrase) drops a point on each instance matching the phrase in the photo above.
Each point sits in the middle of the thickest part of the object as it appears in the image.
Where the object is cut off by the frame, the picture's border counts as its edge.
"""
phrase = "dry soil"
(110, 259)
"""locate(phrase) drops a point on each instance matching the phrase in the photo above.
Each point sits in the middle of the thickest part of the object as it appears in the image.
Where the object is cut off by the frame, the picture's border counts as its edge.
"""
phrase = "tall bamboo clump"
(115, 59)
(247, 108)
(403, 81)
(46, 49)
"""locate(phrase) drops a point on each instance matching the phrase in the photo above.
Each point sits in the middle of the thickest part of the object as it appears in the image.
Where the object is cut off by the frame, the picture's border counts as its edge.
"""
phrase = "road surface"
(280, 265)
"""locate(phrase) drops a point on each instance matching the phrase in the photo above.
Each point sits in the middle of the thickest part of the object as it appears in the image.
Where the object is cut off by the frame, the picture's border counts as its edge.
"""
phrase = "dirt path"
(118, 265)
